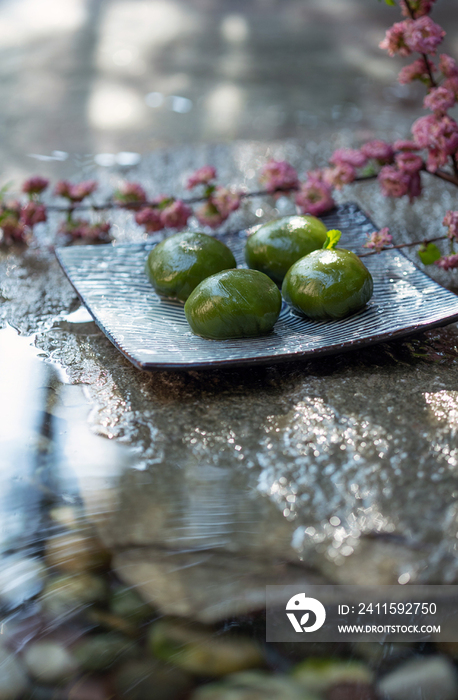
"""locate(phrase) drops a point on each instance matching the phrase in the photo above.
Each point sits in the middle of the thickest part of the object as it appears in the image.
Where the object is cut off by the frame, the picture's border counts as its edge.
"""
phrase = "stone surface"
(13, 678)
(449, 648)
(144, 679)
(320, 675)
(378, 654)
(66, 595)
(49, 662)
(206, 585)
(350, 691)
(198, 650)
(99, 79)
(75, 553)
(343, 469)
(125, 602)
(102, 651)
(434, 678)
(253, 686)
(86, 689)
(67, 517)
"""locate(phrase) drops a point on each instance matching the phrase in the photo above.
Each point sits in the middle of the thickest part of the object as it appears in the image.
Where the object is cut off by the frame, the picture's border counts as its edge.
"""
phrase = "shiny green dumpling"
(275, 246)
(178, 264)
(234, 304)
(327, 284)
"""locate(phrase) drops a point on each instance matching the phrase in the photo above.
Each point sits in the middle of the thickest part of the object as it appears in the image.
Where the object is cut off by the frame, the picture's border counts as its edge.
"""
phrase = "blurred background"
(103, 80)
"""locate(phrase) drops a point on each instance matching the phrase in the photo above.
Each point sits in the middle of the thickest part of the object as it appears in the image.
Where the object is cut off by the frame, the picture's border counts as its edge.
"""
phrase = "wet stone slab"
(343, 469)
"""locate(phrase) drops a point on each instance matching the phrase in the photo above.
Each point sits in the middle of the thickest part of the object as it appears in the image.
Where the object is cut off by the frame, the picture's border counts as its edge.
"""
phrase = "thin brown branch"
(114, 204)
(409, 9)
(430, 70)
(425, 57)
(403, 245)
(442, 175)
(361, 178)
(455, 165)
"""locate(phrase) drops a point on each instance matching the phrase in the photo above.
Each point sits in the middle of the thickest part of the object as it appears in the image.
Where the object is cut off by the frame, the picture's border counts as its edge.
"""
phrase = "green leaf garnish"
(429, 253)
(332, 239)
(369, 170)
(165, 203)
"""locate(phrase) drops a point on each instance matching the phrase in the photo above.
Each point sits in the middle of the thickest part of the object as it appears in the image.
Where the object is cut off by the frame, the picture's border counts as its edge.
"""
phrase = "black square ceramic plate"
(153, 333)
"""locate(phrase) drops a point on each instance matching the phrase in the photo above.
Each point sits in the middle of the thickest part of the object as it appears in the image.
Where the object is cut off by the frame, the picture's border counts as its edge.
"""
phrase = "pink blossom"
(409, 162)
(225, 201)
(33, 213)
(150, 219)
(419, 7)
(75, 193)
(379, 239)
(423, 35)
(84, 230)
(451, 222)
(393, 182)
(436, 159)
(448, 66)
(402, 178)
(349, 156)
(162, 200)
(405, 145)
(439, 99)
(448, 262)
(11, 209)
(340, 175)
(394, 41)
(414, 71)
(128, 194)
(82, 190)
(218, 207)
(439, 134)
(35, 185)
(278, 175)
(378, 150)
(436, 131)
(98, 232)
(14, 230)
(63, 188)
(175, 215)
(16, 220)
(422, 130)
(202, 176)
(451, 84)
(314, 195)
(208, 215)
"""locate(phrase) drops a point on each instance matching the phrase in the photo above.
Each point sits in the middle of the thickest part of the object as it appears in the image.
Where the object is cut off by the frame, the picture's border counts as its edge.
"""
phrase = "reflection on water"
(222, 504)
(46, 449)
(69, 627)
(21, 418)
(233, 470)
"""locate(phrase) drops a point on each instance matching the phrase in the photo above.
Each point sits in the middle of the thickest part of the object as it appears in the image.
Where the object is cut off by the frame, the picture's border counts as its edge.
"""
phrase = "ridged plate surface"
(153, 333)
